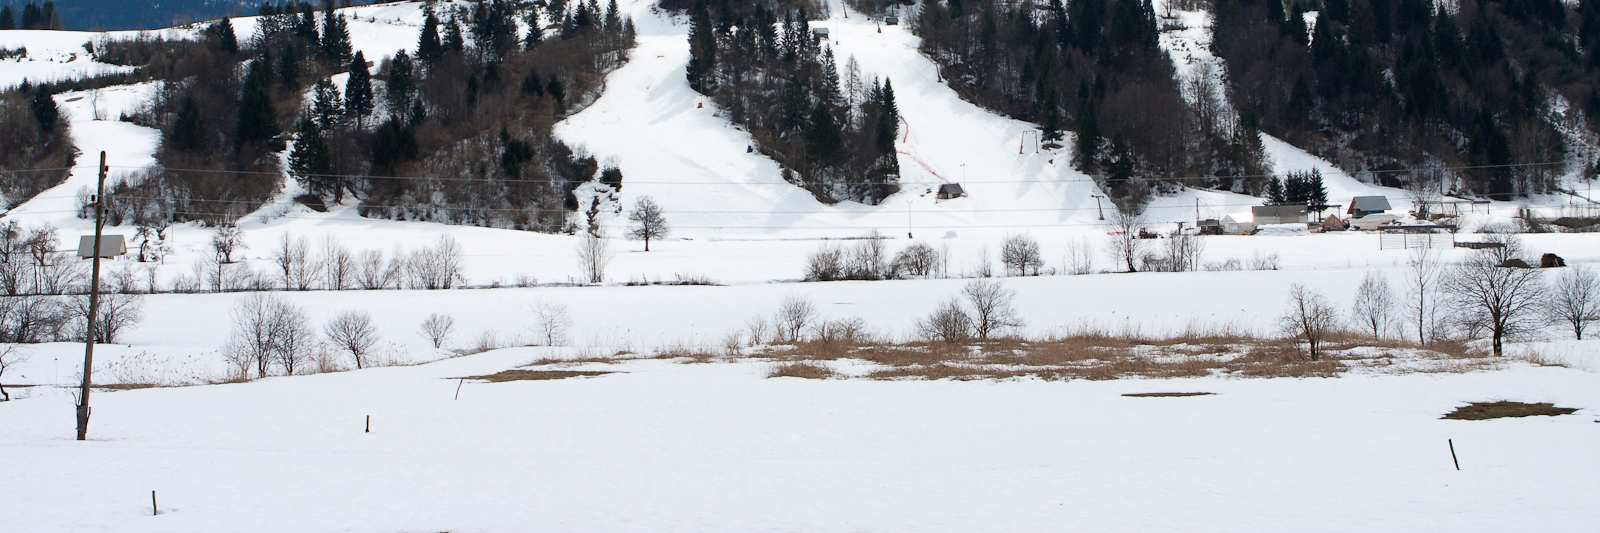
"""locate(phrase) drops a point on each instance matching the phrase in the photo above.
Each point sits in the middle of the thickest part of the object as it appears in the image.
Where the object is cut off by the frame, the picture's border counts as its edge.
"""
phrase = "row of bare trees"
(329, 266)
(1484, 295)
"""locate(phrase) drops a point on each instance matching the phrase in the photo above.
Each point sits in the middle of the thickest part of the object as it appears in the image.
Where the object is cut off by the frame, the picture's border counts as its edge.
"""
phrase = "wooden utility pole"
(94, 305)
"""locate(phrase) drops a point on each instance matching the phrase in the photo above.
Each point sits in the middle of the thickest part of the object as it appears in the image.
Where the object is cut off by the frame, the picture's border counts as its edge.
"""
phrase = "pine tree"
(8, 19)
(888, 120)
(401, 82)
(824, 143)
(257, 120)
(1317, 191)
(454, 41)
(1050, 122)
(702, 50)
(45, 112)
(220, 35)
(429, 48)
(535, 29)
(613, 19)
(335, 38)
(327, 107)
(309, 161)
(1275, 194)
(186, 129)
(358, 90)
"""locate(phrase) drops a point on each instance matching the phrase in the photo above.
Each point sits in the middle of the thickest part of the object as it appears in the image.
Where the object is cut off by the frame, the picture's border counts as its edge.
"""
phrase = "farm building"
(1361, 206)
(819, 33)
(110, 246)
(1278, 214)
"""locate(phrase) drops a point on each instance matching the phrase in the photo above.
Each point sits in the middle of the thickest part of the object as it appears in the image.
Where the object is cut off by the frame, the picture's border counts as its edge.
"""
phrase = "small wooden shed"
(1361, 206)
(819, 33)
(951, 190)
(110, 246)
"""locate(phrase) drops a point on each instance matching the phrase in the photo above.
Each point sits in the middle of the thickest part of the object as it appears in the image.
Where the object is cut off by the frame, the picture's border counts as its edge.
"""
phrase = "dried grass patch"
(517, 374)
(1166, 394)
(1504, 409)
(803, 370)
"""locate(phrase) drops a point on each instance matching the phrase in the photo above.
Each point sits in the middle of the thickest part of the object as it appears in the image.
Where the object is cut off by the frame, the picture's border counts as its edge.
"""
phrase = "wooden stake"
(1453, 454)
(153, 509)
(369, 424)
(458, 388)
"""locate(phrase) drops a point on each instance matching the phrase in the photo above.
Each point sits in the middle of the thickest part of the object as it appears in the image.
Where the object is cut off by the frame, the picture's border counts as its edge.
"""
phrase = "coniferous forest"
(831, 126)
(459, 133)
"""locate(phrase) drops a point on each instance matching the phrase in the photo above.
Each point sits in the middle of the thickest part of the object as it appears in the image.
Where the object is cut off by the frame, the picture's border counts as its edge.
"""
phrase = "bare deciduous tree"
(1373, 307)
(225, 241)
(1489, 297)
(437, 328)
(648, 222)
(1183, 253)
(1020, 254)
(594, 254)
(990, 307)
(551, 323)
(352, 331)
(1422, 293)
(296, 342)
(436, 267)
(293, 258)
(1309, 319)
(917, 260)
(9, 356)
(260, 323)
(1577, 299)
(338, 267)
(756, 330)
(867, 259)
(1080, 257)
(1126, 246)
(374, 272)
(825, 264)
(948, 323)
(117, 312)
(794, 315)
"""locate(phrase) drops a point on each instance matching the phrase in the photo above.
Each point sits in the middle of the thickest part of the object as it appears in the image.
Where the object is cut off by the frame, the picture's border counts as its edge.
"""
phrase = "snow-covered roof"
(1370, 203)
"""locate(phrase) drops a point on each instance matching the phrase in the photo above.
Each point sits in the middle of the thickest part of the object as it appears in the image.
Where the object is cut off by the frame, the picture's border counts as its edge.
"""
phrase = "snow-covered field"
(664, 445)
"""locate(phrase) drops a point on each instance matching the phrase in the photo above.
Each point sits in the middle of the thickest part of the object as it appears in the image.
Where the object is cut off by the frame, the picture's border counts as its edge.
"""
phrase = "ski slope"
(674, 146)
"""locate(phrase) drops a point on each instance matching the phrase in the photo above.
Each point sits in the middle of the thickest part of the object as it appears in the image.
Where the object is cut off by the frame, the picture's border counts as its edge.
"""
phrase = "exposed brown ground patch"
(517, 374)
(1504, 409)
(1166, 394)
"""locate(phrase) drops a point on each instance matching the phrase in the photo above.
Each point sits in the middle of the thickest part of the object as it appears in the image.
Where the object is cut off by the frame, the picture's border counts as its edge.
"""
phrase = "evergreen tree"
(1275, 193)
(309, 161)
(824, 144)
(335, 38)
(1050, 120)
(358, 90)
(257, 120)
(429, 48)
(613, 19)
(220, 35)
(454, 42)
(535, 29)
(327, 107)
(392, 144)
(401, 83)
(702, 50)
(1317, 191)
(45, 112)
(187, 134)
(8, 19)
(888, 120)
(288, 68)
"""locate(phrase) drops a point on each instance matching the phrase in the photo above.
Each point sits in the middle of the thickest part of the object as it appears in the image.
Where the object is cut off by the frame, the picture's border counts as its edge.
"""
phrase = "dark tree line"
(459, 132)
(831, 129)
(472, 114)
(34, 16)
(1384, 86)
(1094, 67)
(35, 145)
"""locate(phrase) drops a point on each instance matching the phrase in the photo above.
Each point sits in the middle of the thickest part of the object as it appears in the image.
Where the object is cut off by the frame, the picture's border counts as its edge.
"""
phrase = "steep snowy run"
(674, 147)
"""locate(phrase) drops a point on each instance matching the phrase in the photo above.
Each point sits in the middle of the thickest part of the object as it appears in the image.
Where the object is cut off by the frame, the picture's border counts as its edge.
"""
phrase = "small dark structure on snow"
(891, 20)
(1361, 206)
(1551, 261)
(951, 190)
(819, 33)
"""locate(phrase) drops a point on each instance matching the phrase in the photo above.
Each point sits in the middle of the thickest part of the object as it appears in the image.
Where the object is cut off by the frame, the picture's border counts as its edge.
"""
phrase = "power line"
(786, 183)
(824, 211)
